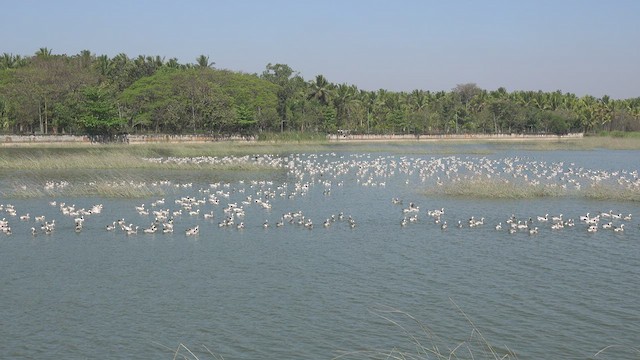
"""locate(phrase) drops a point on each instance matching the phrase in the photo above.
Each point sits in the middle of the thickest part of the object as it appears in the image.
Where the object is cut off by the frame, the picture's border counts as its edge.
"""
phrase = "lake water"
(296, 292)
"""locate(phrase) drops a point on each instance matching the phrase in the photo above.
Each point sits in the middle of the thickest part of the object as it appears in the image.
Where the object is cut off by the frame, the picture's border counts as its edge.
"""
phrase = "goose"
(133, 230)
(167, 230)
(593, 220)
(619, 228)
(308, 224)
(192, 231)
(557, 226)
(544, 218)
(557, 218)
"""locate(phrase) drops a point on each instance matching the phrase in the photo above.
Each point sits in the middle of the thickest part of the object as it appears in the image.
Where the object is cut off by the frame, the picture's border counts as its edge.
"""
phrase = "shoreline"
(18, 140)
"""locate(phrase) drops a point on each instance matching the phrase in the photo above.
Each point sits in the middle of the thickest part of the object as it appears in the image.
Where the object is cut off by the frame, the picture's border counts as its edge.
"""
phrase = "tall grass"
(494, 188)
(293, 137)
(125, 189)
(117, 157)
(608, 192)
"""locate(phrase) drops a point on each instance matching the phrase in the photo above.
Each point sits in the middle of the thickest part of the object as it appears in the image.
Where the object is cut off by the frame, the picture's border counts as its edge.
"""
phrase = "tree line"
(88, 94)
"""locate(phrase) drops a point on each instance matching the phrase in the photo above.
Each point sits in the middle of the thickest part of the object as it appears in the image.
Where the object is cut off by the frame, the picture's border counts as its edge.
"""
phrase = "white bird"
(193, 231)
(167, 230)
(133, 230)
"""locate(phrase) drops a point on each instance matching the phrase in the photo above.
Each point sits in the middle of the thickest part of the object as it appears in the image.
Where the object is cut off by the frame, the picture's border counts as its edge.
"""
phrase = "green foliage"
(558, 125)
(99, 116)
(49, 93)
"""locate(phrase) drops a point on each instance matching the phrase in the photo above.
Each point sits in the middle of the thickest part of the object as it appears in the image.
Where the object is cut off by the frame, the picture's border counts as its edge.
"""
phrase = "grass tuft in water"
(495, 189)
(615, 193)
(425, 344)
(124, 189)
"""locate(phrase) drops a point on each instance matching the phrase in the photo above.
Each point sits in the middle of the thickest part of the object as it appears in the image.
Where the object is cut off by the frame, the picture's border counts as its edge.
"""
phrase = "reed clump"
(495, 188)
(124, 189)
(614, 193)
(110, 157)
(423, 343)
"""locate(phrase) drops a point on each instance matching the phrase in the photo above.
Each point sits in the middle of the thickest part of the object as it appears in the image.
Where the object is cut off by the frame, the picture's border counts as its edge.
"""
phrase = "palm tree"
(43, 53)
(321, 90)
(344, 95)
(7, 61)
(172, 63)
(202, 61)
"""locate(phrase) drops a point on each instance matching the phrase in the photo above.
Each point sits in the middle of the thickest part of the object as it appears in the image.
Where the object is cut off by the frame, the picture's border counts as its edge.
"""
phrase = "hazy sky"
(579, 46)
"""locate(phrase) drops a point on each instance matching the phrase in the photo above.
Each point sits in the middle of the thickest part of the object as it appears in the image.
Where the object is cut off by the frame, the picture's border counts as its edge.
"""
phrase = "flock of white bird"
(226, 203)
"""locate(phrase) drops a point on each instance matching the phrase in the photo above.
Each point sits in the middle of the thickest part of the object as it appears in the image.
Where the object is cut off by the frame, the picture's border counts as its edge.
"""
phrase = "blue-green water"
(293, 292)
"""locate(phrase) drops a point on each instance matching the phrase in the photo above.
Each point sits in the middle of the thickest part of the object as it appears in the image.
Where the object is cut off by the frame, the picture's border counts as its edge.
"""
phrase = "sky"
(585, 47)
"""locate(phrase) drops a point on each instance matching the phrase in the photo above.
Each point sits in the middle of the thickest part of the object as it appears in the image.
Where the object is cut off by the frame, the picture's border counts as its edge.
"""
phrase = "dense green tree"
(99, 115)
